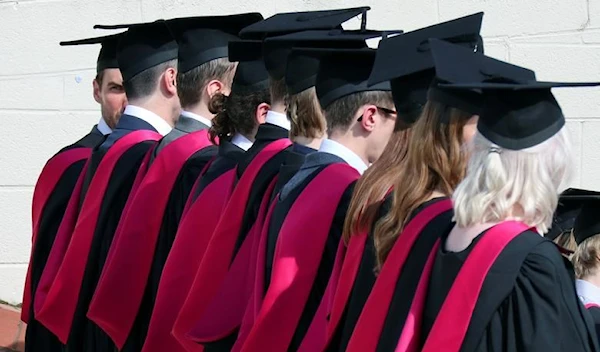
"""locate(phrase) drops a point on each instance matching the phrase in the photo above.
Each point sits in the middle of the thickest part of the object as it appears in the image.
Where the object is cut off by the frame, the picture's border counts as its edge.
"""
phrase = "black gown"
(170, 223)
(266, 134)
(86, 335)
(37, 337)
(405, 287)
(537, 311)
(313, 165)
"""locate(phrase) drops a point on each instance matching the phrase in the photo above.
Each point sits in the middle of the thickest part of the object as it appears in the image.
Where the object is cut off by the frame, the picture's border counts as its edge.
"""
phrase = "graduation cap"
(144, 46)
(456, 64)
(203, 39)
(286, 23)
(518, 113)
(250, 76)
(587, 222)
(569, 205)
(406, 61)
(107, 58)
(299, 69)
(283, 23)
(342, 72)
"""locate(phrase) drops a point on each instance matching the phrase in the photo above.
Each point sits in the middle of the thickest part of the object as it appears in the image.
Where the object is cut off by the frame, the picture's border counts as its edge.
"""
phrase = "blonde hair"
(500, 181)
(586, 258)
(305, 114)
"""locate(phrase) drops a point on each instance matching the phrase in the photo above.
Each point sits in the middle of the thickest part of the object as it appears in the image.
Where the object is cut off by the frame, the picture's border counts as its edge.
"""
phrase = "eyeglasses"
(387, 111)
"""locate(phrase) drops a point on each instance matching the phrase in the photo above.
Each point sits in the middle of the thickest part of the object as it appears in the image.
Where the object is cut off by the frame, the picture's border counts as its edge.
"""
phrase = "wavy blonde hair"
(305, 114)
(501, 181)
(586, 258)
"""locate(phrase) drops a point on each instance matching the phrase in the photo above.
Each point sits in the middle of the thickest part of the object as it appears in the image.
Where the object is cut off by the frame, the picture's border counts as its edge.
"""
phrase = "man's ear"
(213, 87)
(96, 88)
(368, 118)
(261, 113)
(170, 81)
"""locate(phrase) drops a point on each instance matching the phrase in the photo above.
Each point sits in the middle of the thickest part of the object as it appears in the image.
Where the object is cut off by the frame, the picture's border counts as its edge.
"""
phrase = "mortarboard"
(250, 76)
(569, 205)
(301, 68)
(456, 64)
(406, 61)
(203, 39)
(517, 113)
(144, 46)
(587, 222)
(283, 23)
(286, 23)
(342, 72)
(107, 58)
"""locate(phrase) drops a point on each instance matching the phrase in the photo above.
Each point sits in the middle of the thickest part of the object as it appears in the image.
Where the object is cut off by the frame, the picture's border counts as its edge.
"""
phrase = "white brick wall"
(45, 90)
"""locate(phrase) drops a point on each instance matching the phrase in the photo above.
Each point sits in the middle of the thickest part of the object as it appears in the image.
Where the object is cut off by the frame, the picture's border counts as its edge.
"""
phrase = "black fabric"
(183, 126)
(325, 268)
(361, 289)
(177, 199)
(227, 158)
(527, 303)
(595, 314)
(85, 335)
(107, 58)
(266, 134)
(126, 124)
(410, 275)
(37, 337)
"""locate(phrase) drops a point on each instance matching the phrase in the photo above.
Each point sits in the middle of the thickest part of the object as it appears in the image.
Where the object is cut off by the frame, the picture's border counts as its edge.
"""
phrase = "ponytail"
(222, 124)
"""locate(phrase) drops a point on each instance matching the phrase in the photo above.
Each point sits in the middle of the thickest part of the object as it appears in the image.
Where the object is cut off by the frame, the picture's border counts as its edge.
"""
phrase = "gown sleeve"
(541, 313)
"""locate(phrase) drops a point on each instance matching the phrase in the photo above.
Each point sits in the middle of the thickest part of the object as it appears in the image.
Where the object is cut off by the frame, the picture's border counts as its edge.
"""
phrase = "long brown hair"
(305, 114)
(372, 187)
(435, 161)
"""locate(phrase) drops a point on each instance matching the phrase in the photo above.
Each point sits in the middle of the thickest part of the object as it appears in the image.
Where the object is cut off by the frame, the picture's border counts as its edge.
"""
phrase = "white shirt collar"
(197, 117)
(335, 148)
(241, 141)
(161, 126)
(587, 292)
(278, 119)
(103, 127)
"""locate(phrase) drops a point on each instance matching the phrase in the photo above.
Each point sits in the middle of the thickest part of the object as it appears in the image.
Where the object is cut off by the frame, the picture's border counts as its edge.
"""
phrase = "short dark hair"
(99, 78)
(191, 83)
(235, 113)
(144, 83)
(278, 90)
(340, 113)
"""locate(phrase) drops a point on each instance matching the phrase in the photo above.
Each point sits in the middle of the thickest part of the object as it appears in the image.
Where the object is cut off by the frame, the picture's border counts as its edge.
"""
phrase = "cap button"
(424, 47)
(303, 18)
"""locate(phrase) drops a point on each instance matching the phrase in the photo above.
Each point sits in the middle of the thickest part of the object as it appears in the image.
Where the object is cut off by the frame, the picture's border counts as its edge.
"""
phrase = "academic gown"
(313, 165)
(266, 134)
(539, 311)
(595, 314)
(84, 334)
(37, 337)
(226, 160)
(363, 284)
(177, 199)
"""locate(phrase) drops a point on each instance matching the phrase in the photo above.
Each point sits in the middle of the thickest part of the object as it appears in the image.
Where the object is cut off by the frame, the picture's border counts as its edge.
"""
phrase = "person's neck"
(352, 143)
(314, 143)
(593, 279)
(278, 107)
(200, 109)
(161, 108)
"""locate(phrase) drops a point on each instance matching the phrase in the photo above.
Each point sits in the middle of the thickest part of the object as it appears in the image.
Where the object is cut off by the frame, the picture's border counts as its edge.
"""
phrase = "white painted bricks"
(46, 99)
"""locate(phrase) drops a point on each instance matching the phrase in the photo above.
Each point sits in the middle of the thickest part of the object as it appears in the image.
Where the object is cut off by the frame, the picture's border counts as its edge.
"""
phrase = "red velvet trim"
(52, 172)
(59, 309)
(122, 284)
(451, 325)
